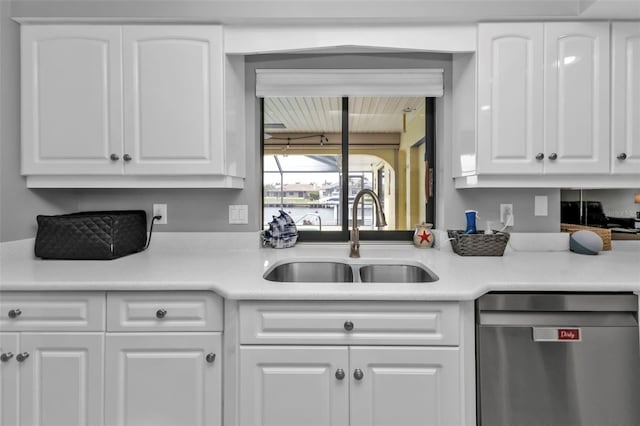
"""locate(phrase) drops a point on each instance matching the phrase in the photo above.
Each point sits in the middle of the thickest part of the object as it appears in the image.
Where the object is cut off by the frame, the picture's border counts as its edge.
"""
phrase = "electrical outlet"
(160, 210)
(506, 214)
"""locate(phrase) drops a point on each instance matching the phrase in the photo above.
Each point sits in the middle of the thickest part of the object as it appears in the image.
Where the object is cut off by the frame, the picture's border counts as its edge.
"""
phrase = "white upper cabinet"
(625, 103)
(576, 97)
(173, 98)
(137, 106)
(544, 108)
(510, 86)
(71, 99)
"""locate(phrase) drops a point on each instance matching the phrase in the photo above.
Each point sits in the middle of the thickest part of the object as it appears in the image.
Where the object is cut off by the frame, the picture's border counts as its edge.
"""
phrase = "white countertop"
(232, 265)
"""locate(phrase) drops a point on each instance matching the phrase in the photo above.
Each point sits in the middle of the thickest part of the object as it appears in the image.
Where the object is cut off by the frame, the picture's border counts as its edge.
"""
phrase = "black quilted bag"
(100, 235)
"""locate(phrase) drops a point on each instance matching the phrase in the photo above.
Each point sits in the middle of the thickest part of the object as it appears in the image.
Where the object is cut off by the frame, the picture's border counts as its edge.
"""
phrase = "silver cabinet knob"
(15, 313)
(6, 357)
(348, 325)
(114, 157)
(540, 156)
(21, 357)
(161, 313)
(126, 157)
(340, 374)
(553, 156)
(358, 374)
(622, 156)
(210, 357)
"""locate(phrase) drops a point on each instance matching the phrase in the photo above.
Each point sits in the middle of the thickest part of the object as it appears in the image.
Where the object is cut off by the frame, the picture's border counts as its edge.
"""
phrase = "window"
(311, 144)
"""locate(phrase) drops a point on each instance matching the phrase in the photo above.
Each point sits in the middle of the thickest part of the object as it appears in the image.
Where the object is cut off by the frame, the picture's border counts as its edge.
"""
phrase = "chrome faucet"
(355, 232)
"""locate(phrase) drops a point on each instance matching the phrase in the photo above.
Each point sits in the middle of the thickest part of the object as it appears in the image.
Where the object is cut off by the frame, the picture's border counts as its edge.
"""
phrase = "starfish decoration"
(425, 237)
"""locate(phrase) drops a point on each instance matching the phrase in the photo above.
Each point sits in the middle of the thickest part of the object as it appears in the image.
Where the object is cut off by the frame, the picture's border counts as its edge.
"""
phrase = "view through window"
(305, 146)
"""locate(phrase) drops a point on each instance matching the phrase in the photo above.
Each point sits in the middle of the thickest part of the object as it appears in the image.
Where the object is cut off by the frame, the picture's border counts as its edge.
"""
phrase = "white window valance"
(420, 82)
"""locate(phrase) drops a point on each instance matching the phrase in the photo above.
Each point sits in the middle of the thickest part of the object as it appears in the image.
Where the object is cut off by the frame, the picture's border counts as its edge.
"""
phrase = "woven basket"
(603, 233)
(478, 244)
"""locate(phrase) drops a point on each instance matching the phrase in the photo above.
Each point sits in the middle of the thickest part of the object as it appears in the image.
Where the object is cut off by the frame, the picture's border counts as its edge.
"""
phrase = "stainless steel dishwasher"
(558, 359)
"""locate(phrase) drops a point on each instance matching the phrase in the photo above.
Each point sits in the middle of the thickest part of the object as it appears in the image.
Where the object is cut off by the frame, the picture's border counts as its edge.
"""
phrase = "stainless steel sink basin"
(316, 272)
(379, 273)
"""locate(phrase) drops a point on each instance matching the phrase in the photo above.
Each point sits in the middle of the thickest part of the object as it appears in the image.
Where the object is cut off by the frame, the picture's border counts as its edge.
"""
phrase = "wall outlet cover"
(239, 214)
(541, 205)
(506, 214)
(160, 210)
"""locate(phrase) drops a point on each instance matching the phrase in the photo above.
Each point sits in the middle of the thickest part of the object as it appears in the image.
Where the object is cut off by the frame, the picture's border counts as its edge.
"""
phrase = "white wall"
(18, 205)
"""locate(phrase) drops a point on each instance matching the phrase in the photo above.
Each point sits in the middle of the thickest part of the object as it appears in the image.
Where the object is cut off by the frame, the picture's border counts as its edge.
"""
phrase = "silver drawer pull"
(15, 313)
(6, 357)
(211, 357)
(21, 357)
(348, 325)
(161, 313)
(340, 374)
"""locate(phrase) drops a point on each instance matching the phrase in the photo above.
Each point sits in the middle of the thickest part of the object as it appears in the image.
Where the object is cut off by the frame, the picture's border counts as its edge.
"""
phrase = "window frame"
(365, 235)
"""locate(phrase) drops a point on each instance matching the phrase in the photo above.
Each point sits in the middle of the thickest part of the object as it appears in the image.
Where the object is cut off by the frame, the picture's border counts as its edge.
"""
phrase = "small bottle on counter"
(472, 215)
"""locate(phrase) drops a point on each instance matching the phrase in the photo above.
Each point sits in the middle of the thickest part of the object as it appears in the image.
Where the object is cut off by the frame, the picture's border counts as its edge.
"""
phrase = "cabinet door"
(293, 386)
(173, 99)
(626, 97)
(576, 97)
(71, 99)
(9, 380)
(405, 386)
(163, 379)
(510, 86)
(61, 382)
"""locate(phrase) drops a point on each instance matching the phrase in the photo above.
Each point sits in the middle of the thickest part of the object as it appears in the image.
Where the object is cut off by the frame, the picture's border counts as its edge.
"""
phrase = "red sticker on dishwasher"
(568, 334)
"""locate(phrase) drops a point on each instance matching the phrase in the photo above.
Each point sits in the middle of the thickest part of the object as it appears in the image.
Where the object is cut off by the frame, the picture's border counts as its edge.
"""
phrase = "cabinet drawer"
(354, 323)
(52, 311)
(164, 311)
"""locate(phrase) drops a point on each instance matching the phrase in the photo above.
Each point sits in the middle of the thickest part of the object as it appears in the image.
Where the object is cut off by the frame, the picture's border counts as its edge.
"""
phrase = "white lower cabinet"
(8, 379)
(405, 386)
(60, 365)
(368, 385)
(350, 363)
(163, 379)
(52, 379)
(294, 385)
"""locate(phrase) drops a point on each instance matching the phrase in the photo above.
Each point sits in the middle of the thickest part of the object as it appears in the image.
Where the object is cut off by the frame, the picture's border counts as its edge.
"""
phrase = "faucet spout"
(355, 231)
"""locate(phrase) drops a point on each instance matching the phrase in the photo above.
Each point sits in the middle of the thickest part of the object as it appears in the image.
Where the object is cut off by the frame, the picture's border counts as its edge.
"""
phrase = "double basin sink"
(340, 272)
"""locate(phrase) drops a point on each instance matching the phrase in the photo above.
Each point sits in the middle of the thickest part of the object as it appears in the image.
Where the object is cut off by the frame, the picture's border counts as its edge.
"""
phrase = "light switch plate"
(541, 205)
(238, 214)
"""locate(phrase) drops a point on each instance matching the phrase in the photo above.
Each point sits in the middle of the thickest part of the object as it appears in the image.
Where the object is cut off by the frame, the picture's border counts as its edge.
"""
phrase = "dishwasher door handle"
(557, 334)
